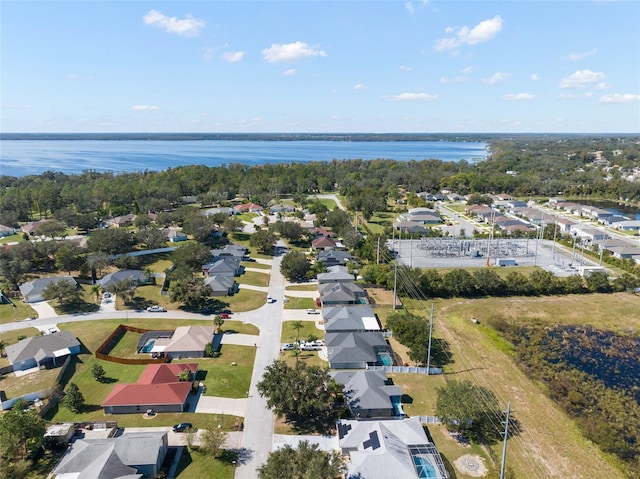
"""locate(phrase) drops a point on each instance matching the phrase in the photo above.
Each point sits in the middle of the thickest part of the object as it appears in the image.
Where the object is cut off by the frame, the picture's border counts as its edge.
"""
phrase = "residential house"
(589, 235)
(342, 293)
(233, 250)
(6, 231)
(565, 225)
(357, 350)
(423, 215)
(336, 274)
(175, 236)
(630, 252)
(410, 227)
(129, 456)
(334, 258)
(31, 228)
(248, 207)
(32, 291)
(135, 276)
(389, 450)
(349, 318)
(323, 243)
(227, 210)
(370, 394)
(124, 220)
(275, 209)
(185, 342)
(221, 285)
(628, 225)
(224, 266)
(60, 434)
(49, 350)
(159, 389)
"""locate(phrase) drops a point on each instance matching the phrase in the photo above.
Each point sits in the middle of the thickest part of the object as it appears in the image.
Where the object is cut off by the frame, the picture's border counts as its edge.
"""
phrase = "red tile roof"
(165, 373)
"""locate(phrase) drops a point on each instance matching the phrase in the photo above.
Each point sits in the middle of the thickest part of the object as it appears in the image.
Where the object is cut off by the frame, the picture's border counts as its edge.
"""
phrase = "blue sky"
(320, 66)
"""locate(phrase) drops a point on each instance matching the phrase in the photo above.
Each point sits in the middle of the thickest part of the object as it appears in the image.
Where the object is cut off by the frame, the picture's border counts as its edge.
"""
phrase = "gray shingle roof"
(347, 347)
(32, 291)
(111, 279)
(41, 347)
(367, 389)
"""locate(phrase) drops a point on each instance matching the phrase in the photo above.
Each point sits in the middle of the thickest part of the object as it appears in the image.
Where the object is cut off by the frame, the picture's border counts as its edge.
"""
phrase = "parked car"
(183, 426)
(155, 309)
(53, 330)
(310, 347)
(106, 295)
(312, 311)
(270, 300)
(288, 346)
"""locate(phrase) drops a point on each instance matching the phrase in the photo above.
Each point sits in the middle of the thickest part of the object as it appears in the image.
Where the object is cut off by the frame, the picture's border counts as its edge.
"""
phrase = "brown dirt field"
(549, 444)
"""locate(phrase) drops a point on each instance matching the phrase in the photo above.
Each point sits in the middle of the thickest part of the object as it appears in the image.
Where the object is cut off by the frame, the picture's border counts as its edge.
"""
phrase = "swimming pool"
(385, 359)
(424, 468)
(148, 347)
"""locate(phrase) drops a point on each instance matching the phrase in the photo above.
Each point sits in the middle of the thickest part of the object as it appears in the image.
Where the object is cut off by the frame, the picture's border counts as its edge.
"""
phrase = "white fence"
(406, 369)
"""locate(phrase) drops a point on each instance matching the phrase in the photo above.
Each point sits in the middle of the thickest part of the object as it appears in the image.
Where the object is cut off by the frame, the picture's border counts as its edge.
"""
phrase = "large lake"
(32, 157)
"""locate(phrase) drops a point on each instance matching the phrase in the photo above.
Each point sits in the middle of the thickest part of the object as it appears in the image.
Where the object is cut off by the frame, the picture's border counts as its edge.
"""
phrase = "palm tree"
(297, 325)
(1, 347)
(218, 322)
(96, 289)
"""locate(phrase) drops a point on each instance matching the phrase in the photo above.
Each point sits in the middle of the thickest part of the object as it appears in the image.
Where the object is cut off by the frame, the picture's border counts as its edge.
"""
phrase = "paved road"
(257, 438)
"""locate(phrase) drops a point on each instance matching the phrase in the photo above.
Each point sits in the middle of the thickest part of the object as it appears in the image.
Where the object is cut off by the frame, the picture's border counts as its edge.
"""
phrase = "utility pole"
(395, 283)
(378, 254)
(429, 347)
(504, 443)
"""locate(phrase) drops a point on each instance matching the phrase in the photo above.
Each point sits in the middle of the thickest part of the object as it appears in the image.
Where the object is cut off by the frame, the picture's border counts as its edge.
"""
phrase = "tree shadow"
(242, 455)
(107, 380)
(78, 306)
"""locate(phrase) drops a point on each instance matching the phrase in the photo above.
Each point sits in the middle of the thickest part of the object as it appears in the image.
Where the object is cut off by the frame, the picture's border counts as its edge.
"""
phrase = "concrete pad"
(264, 289)
(301, 294)
(26, 371)
(220, 405)
(325, 443)
(241, 339)
(44, 309)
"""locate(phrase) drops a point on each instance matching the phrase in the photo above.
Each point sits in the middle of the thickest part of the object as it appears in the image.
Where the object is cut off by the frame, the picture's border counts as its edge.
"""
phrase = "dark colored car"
(183, 426)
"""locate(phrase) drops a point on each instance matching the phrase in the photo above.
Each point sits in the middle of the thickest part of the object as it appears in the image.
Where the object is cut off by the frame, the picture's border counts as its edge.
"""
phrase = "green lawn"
(126, 346)
(9, 313)
(290, 334)
(245, 300)
(11, 337)
(379, 220)
(254, 279)
(299, 303)
(11, 239)
(302, 287)
(220, 377)
(196, 463)
(328, 202)
(255, 265)
(145, 296)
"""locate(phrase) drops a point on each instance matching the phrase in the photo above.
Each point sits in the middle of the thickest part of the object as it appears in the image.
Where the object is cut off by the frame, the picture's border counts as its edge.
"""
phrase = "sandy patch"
(471, 465)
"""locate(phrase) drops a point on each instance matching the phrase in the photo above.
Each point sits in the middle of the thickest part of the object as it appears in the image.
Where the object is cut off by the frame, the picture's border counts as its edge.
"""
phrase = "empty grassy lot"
(254, 278)
(294, 302)
(196, 463)
(549, 444)
(302, 287)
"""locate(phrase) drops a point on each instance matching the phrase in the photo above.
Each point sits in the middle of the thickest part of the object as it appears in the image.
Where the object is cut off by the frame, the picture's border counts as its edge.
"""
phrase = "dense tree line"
(460, 283)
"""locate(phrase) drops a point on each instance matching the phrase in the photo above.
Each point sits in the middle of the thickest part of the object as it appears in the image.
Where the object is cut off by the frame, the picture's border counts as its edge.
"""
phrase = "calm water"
(622, 210)
(27, 157)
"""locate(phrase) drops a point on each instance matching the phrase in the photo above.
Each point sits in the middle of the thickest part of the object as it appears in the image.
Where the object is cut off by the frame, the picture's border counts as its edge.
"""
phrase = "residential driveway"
(241, 339)
(325, 443)
(108, 304)
(301, 294)
(220, 405)
(44, 309)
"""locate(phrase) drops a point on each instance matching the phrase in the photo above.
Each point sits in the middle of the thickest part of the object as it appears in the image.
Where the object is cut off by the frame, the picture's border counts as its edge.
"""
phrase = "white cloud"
(482, 32)
(291, 52)
(413, 97)
(145, 108)
(518, 96)
(535, 77)
(619, 98)
(406, 68)
(467, 70)
(573, 56)
(581, 79)
(290, 72)
(496, 78)
(359, 86)
(232, 57)
(410, 8)
(187, 27)
(602, 86)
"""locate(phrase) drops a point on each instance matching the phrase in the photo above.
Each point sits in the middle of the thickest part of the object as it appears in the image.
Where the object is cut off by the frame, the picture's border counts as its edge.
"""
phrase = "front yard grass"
(302, 287)
(11, 337)
(9, 313)
(196, 463)
(245, 300)
(294, 302)
(256, 265)
(307, 331)
(254, 278)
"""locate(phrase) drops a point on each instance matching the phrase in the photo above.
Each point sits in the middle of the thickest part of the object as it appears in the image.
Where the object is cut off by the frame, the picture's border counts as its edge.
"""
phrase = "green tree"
(51, 228)
(73, 398)
(151, 236)
(488, 282)
(306, 395)
(307, 461)
(459, 283)
(199, 226)
(294, 265)
(191, 256)
(97, 371)
(68, 257)
(64, 291)
(190, 291)
(598, 282)
(96, 289)
(469, 409)
(218, 321)
(20, 432)
(212, 441)
(125, 288)
(110, 241)
(263, 241)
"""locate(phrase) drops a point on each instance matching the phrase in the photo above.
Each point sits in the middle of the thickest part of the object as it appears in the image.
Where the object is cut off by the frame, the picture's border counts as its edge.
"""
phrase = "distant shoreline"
(366, 137)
